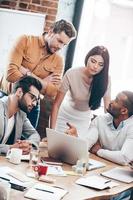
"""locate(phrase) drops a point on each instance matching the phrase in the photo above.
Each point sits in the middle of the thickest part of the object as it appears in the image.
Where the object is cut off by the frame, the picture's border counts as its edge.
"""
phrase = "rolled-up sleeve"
(29, 133)
(92, 135)
(51, 89)
(65, 84)
(15, 60)
(122, 156)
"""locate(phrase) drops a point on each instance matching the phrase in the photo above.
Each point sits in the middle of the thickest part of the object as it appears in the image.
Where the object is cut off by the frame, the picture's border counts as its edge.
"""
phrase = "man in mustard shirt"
(37, 56)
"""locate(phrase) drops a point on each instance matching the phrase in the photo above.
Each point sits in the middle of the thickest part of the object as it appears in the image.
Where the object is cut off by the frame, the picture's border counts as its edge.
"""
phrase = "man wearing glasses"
(16, 130)
(38, 56)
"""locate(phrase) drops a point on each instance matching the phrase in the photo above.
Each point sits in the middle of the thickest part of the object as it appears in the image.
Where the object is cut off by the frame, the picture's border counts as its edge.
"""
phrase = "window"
(115, 31)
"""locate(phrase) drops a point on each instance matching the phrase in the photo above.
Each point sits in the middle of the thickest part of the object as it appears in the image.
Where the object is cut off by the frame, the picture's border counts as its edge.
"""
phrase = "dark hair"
(67, 27)
(100, 80)
(129, 102)
(26, 82)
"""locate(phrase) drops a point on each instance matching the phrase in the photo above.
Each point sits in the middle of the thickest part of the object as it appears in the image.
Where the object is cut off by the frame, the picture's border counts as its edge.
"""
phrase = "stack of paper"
(15, 177)
(94, 164)
(55, 170)
(45, 192)
(119, 174)
(96, 182)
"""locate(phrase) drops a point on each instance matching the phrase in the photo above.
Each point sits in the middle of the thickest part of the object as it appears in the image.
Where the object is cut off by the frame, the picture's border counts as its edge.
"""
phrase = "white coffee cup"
(15, 155)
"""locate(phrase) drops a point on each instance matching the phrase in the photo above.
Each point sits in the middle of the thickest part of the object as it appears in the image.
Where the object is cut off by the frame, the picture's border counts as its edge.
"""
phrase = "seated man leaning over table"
(111, 136)
(14, 124)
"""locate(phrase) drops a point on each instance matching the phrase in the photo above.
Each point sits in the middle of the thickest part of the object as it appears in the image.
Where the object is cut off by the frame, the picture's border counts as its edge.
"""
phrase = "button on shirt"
(30, 53)
(117, 144)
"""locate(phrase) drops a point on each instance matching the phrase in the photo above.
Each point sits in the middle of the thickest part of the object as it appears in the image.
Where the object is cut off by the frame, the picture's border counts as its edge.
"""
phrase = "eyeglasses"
(33, 97)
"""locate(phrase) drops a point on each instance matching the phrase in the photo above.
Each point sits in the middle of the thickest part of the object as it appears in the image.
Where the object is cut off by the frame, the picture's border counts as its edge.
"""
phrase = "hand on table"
(25, 145)
(94, 149)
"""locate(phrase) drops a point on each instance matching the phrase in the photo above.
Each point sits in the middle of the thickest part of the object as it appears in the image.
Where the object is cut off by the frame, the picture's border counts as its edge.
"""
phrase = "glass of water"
(34, 157)
(33, 163)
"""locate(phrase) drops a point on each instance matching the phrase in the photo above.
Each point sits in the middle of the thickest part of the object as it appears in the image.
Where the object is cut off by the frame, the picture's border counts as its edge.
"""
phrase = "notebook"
(94, 164)
(66, 148)
(96, 182)
(42, 191)
(17, 179)
(120, 174)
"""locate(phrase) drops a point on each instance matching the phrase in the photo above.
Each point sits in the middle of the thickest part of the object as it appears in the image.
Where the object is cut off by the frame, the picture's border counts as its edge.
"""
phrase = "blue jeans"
(123, 196)
(33, 116)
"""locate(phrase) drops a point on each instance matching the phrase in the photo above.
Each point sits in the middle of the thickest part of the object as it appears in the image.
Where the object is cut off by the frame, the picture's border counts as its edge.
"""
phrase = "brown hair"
(67, 27)
(26, 82)
(100, 80)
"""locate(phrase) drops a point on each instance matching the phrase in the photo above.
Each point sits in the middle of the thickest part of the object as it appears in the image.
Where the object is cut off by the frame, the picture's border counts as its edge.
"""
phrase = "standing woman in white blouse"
(83, 89)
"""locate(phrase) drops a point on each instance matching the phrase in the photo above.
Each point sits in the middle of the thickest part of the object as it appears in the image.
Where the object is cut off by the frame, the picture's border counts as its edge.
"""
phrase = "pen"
(51, 163)
(5, 179)
(45, 190)
(108, 181)
(15, 186)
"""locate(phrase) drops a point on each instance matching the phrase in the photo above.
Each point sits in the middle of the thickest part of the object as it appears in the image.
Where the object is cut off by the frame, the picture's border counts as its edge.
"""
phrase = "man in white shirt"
(111, 136)
(14, 124)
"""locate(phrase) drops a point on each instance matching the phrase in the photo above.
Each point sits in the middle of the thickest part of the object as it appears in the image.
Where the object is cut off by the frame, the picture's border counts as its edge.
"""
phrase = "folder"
(120, 174)
(96, 182)
(42, 191)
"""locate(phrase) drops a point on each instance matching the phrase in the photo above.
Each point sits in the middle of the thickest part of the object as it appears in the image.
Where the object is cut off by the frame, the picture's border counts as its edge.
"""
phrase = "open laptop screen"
(66, 148)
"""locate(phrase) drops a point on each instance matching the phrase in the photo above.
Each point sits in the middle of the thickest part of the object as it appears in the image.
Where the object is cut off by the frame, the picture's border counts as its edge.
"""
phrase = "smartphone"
(18, 187)
(15, 186)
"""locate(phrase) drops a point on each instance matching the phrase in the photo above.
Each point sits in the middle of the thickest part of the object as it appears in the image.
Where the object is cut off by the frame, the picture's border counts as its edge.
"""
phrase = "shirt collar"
(41, 41)
(110, 122)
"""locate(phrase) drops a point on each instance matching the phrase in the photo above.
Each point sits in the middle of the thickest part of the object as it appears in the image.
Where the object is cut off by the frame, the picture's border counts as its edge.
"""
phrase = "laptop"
(66, 148)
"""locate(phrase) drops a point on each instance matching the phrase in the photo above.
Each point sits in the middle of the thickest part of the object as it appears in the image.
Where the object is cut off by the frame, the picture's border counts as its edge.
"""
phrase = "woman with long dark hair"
(85, 88)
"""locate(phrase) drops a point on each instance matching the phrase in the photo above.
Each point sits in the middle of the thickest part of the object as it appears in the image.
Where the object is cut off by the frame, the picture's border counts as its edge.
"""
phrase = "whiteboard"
(14, 23)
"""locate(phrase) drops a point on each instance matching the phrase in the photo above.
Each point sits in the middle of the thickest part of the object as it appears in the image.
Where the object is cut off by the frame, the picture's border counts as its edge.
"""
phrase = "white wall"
(13, 24)
(65, 11)
(116, 33)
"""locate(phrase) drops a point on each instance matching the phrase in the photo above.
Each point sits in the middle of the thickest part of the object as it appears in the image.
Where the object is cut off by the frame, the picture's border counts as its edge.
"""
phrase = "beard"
(114, 112)
(22, 105)
(51, 50)
(48, 49)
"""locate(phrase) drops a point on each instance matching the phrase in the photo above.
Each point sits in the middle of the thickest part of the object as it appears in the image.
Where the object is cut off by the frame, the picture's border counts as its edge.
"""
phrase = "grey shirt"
(23, 126)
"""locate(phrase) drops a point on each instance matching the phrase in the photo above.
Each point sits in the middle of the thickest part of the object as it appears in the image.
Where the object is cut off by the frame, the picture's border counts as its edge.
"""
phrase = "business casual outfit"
(117, 143)
(30, 52)
(18, 127)
(75, 108)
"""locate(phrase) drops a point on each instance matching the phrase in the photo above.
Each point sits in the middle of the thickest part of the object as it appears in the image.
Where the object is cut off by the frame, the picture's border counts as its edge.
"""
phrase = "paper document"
(55, 170)
(94, 164)
(42, 191)
(96, 182)
(120, 174)
(14, 176)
